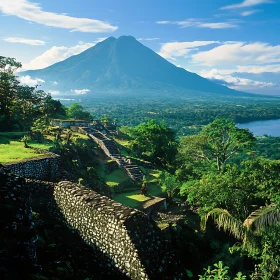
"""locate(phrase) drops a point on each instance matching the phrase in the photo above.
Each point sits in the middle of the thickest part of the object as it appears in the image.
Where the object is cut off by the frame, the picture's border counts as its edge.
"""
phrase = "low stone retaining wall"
(155, 204)
(131, 239)
(45, 168)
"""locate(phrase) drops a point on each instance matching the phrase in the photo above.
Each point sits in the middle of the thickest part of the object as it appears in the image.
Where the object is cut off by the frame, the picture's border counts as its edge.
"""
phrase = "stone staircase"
(111, 149)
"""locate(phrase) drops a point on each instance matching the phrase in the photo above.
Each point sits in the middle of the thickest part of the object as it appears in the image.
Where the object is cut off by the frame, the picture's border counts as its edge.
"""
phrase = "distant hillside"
(124, 65)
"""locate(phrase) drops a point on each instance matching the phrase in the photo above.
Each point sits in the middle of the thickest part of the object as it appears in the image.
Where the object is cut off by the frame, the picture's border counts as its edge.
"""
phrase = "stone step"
(135, 173)
(132, 168)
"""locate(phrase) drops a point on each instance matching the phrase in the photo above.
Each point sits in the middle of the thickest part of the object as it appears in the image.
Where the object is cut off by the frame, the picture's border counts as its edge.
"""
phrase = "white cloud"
(32, 12)
(147, 39)
(202, 24)
(233, 80)
(246, 3)
(218, 25)
(257, 69)
(25, 41)
(81, 91)
(54, 55)
(239, 53)
(53, 92)
(165, 22)
(54, 83)
(238, 83)
(248, 13)
(27, 80)
(178, 49)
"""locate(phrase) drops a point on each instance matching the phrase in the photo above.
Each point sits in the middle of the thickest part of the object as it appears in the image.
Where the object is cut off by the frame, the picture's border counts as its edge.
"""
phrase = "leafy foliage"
(154, 141)
(218, 142)
(169, 183)
(219, 272)
(76, 111)
(20, 104)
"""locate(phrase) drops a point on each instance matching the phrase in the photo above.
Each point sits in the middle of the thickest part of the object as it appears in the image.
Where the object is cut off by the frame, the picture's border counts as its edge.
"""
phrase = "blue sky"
(235, 42)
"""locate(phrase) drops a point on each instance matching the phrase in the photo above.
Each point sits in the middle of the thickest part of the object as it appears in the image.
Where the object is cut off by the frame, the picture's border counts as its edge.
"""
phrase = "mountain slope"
(123, 65)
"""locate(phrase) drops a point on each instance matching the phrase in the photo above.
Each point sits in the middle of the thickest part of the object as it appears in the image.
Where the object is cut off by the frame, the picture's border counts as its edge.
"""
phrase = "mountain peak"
(126, 38)
(123, 64)
(111, 38)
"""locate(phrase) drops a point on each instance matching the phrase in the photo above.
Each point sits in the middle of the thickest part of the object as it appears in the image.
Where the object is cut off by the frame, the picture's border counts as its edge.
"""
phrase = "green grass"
(80, 135)
(12, 149)
(162, 225)
(123, 145)
(101, 171)
(155, 190)
(152, 177)
(15, 151)
(132, 199)
(43, 146)
(122, 142)
(114, 178)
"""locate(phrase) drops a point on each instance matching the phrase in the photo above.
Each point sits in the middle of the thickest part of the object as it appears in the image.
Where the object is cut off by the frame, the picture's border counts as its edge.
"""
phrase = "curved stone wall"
(128, 236)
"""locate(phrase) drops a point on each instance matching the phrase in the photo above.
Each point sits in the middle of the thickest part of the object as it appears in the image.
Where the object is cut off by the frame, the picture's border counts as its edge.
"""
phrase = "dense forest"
(184, 115)
(227, 179)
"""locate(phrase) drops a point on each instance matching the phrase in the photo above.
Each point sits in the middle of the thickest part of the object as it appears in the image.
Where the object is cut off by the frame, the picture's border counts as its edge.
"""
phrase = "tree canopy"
(218, 142)
(76, 111)
(154, 141)
(20, 104)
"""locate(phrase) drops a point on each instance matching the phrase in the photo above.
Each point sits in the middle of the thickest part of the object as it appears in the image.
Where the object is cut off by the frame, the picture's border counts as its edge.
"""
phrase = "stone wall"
(68, 123)
(129, 237)
(47, 168)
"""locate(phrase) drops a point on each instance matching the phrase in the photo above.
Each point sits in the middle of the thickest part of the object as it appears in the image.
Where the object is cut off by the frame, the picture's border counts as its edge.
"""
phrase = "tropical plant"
(253, 225)
(219, 272)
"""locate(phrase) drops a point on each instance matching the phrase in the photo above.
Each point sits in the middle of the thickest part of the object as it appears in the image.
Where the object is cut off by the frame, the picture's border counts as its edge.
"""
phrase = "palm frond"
(225, 220)
(262, 217)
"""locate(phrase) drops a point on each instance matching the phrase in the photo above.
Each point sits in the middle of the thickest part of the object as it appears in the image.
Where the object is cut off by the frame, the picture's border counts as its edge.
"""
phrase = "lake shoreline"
(261, 128)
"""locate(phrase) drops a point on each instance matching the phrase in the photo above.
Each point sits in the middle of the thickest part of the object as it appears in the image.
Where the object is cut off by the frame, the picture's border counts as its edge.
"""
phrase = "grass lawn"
(15, 151)
(152, 176)
(80, 135)
(155, 190)
(132, 199)
(162, 225)
(114, 178)
(123, 145)
(12, 149)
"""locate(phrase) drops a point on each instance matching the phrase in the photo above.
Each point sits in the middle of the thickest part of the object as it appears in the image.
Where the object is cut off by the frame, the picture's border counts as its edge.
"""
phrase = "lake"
(259, 128)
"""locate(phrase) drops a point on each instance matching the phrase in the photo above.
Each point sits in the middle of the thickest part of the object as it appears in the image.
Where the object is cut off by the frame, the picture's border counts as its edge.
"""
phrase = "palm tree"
(250, 228)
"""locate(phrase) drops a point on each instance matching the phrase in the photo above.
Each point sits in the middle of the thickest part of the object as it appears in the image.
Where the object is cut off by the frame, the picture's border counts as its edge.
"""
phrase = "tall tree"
(169, 183)
(19, 104)
(218, 142)
(8, 88)
(77, 112)
(154, 141)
